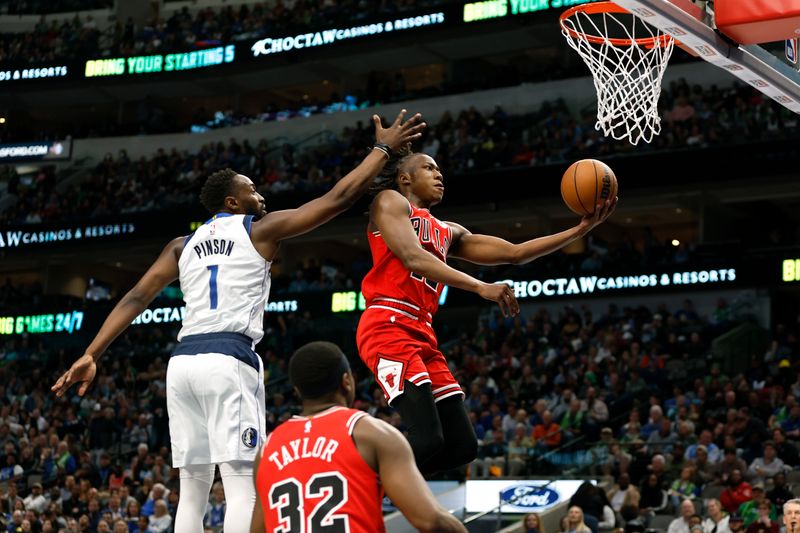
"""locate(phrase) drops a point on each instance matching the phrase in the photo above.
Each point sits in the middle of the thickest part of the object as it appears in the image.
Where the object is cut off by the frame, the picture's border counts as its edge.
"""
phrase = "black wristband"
(383, 148)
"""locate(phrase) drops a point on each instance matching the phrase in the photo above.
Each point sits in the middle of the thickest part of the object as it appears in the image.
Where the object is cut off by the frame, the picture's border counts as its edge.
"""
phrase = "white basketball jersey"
(225, 281)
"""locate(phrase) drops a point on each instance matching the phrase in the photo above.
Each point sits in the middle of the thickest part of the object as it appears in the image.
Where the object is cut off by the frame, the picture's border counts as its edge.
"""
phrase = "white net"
(627, 69)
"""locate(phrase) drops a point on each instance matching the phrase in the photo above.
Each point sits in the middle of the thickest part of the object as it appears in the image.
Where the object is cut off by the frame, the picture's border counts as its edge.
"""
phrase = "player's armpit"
(401, 479)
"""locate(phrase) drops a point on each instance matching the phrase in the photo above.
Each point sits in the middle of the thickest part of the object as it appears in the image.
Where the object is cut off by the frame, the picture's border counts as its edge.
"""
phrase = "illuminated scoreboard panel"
(791, 270)
(67, 322)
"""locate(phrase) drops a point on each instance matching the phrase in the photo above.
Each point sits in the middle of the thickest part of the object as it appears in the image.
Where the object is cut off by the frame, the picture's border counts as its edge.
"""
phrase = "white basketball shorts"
(216, 408)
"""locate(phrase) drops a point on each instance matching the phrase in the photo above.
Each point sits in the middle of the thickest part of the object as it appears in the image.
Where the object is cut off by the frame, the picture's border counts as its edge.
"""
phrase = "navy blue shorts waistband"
(229, 343)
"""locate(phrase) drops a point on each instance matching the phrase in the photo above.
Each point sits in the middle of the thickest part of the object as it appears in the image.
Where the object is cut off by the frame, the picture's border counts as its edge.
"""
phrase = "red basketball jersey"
(312, 478)
(390, 280)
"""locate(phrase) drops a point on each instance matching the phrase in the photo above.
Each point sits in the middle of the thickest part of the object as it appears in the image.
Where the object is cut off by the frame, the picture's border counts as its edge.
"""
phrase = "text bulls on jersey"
(422, 227)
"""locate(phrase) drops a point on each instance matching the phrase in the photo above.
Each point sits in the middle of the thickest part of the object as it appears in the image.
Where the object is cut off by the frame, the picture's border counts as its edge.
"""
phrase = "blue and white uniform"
(215, 379)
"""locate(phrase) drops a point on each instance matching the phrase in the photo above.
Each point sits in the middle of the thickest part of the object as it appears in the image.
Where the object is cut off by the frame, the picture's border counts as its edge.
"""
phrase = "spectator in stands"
(492, 456)
(704, 471)
(36, 500)
(767, 466)
(716, 520)
(573, 522)
(682, 524)
(531, 523)
(160, 521)
(791, 426)
(215, 510)
(519, 450)
(765, 522)
(736, 523)
(653, 424)
(779, 494)
(547, 435)
(618, 460)
(683, 488)
(623, 493)
(596, 409)
(786, 451)
(654, 498)
(661, 441)
(749, 510)
(159, 493)
(592, 501)
(705, 440)
(729, 463)
(572, 423)
(736, 493)
(8, 500)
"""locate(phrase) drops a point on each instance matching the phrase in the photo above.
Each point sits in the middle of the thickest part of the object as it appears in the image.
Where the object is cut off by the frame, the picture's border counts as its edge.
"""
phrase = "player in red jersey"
(395, 338)
(326, 469)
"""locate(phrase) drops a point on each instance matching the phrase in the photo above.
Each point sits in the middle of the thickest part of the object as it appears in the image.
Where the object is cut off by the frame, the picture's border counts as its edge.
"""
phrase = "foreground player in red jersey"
(395, 337)
(325, 469)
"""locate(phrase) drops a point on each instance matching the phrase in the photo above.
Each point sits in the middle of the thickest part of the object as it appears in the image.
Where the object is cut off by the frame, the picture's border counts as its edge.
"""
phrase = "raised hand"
(399, 133)
(82, 370)
(502, 295)
(601, 212)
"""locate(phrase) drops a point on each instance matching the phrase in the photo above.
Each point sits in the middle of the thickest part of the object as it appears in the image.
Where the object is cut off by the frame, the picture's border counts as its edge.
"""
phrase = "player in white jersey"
(215, 385)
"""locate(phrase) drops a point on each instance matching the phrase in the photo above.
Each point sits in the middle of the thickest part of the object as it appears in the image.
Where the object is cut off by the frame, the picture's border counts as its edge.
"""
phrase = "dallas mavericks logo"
(250, 437)
(528, 497)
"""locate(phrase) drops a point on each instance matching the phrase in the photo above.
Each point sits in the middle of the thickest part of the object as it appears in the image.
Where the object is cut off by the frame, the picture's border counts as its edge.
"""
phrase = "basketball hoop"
(627, 69)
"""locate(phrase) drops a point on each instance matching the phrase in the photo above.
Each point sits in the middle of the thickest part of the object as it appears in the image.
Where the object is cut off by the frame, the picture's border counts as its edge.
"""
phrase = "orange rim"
(607, 7)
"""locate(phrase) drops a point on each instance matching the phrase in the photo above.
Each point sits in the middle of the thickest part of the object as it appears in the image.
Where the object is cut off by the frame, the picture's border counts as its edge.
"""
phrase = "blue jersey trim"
(247, 221)
(218, 215)
(236, 345)
(187, 239)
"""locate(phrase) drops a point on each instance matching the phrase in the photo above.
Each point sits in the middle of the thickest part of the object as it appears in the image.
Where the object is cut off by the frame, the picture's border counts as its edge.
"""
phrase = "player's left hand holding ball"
(82, 370)
(601, 212)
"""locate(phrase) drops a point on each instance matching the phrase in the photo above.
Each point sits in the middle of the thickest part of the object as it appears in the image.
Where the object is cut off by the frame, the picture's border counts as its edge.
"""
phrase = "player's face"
(249, 200)
(427, 182)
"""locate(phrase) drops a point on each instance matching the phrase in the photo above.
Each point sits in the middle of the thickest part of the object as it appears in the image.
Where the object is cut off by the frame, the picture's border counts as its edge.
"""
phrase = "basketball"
(586, 183)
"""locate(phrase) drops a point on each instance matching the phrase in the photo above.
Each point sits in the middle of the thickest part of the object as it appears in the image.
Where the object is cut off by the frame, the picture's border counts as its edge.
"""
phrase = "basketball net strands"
(627, 44)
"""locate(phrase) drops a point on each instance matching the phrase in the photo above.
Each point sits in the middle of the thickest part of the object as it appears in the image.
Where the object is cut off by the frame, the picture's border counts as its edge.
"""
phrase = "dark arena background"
(654, 361)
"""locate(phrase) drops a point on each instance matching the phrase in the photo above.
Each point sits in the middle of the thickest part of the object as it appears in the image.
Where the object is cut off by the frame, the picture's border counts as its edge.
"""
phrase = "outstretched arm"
(280, 225)
(389, 213)
(488, 250)
(389, 454)
(163, 272)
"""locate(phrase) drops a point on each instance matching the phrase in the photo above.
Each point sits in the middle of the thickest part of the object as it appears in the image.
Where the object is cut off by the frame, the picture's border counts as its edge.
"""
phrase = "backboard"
(692, 24)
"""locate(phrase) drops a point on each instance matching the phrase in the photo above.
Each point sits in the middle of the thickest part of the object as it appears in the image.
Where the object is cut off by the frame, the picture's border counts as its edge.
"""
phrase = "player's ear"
(297, 392)
(403, 178)
(231, 203)
(348, 382)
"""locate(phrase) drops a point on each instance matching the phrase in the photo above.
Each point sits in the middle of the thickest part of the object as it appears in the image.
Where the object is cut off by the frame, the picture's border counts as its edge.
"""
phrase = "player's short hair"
(316, 369)
(387, 179)
(216, 188)
(793, 501)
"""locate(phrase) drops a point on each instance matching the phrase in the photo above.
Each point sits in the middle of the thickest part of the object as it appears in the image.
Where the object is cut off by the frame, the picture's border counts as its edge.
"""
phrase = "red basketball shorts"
(398, 347)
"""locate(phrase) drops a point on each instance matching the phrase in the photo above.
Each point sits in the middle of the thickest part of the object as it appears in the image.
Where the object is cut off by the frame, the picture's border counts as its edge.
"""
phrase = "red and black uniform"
(395, 337)
(311, 476)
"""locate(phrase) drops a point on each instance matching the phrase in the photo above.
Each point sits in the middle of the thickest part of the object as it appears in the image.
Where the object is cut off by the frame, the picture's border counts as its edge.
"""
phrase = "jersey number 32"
(287, 498)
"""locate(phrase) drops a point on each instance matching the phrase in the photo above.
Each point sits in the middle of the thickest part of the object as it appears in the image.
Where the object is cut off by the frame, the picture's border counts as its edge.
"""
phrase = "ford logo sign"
(529, 497)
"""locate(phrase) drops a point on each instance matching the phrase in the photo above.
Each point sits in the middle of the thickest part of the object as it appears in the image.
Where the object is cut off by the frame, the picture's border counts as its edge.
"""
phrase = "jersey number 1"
(212, 285)
(287, 499)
